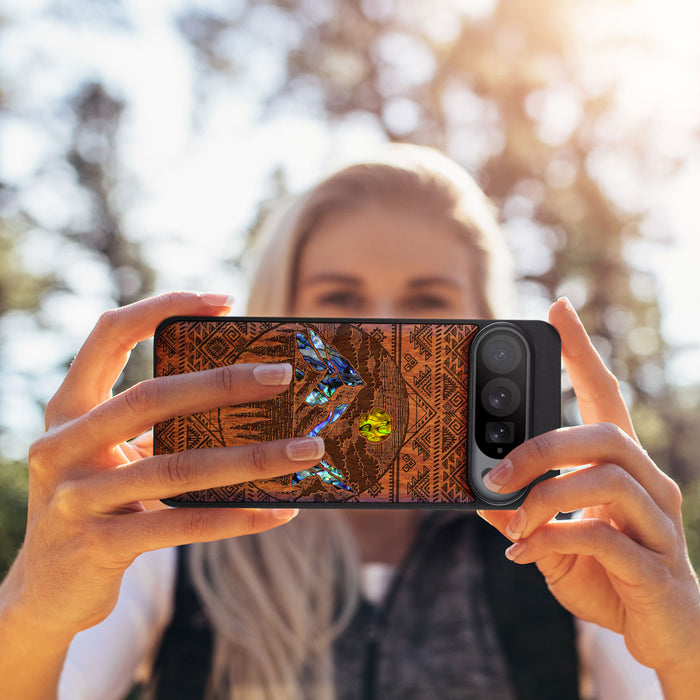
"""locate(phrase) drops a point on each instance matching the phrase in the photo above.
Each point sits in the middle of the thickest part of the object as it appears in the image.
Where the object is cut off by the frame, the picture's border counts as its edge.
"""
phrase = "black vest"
(420, 644)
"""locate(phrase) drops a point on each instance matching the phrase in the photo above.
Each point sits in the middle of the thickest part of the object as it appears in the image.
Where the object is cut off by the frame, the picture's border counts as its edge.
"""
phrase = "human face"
(385, 261)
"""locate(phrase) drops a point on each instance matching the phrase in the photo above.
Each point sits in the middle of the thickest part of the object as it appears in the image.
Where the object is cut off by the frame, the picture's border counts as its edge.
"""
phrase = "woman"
(411, 236)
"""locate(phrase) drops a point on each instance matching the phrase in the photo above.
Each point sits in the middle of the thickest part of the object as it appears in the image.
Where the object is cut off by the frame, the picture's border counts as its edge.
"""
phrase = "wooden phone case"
(389, 398)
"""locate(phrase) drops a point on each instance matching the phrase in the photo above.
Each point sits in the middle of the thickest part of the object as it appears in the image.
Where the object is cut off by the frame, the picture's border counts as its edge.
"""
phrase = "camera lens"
(499, 432)
(502, 353)
(500, 396)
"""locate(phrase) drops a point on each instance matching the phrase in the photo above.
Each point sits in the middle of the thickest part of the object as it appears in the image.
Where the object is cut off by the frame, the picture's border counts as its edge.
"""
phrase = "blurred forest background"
(579, 118)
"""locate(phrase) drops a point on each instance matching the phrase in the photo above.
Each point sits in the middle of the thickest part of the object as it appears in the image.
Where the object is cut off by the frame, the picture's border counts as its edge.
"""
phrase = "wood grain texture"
(416, 372)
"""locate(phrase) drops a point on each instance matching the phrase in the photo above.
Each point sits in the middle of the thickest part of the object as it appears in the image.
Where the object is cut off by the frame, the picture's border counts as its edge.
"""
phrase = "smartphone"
(412, 413)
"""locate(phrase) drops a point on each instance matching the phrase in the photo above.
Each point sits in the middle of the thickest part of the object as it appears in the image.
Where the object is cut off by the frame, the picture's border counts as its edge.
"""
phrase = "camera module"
(500, 386)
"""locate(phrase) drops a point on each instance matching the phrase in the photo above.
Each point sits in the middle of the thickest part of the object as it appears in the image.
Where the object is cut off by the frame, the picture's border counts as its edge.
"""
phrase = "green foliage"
(691, 521)
(14, 484)
(18, 289)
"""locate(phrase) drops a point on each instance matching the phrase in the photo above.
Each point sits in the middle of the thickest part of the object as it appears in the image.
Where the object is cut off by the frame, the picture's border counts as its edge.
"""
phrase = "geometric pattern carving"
(416, 372)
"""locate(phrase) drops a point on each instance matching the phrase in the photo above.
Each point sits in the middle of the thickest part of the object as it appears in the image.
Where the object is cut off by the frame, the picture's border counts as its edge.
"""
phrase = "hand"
(87, 515)
(624, 564)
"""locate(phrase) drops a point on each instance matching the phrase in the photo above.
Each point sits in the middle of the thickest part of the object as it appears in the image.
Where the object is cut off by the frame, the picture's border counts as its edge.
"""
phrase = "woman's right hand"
(87, 517)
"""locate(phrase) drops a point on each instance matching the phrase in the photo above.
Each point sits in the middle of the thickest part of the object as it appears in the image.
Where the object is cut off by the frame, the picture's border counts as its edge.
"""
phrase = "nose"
(384, 307)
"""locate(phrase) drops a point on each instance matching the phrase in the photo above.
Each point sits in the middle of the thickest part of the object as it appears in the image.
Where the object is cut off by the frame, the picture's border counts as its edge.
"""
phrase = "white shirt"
(104, 661)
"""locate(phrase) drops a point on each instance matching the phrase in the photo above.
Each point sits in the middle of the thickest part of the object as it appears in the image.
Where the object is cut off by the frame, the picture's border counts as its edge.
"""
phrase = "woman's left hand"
(623, 564)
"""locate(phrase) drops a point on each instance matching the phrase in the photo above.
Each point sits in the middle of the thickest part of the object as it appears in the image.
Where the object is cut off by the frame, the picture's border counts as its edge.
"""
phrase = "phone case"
(390, 398)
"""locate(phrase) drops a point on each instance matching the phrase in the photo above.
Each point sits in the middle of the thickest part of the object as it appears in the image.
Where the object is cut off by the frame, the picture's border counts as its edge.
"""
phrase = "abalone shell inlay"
(375, 426)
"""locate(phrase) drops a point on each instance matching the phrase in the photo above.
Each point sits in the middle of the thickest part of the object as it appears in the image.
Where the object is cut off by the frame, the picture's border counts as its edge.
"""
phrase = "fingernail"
(273, 375)
(499, 476)
(516, 525)
(515, 550)
(285, 513)
(569, 306)
(304, 449)
(218, 299)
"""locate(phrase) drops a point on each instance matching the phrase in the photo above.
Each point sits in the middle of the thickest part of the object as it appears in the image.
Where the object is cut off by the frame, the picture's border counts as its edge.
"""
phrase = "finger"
(138, 408)
(105, 352)
(596, 388)
(143, 444)
(606, 486)
(142, 532)
(497, 518)
(582, 444)
(170, 475)
(614, 550)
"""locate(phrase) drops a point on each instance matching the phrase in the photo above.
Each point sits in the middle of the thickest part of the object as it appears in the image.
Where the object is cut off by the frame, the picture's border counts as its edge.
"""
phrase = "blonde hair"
(277, 600)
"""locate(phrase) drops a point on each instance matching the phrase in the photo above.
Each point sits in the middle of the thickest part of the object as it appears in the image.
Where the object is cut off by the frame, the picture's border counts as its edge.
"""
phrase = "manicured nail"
(305, 449)
(274, 375)
(499, 476)
(515, 550)
(218, 299)
(569, 306)
(516, 525)
(285, 514)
